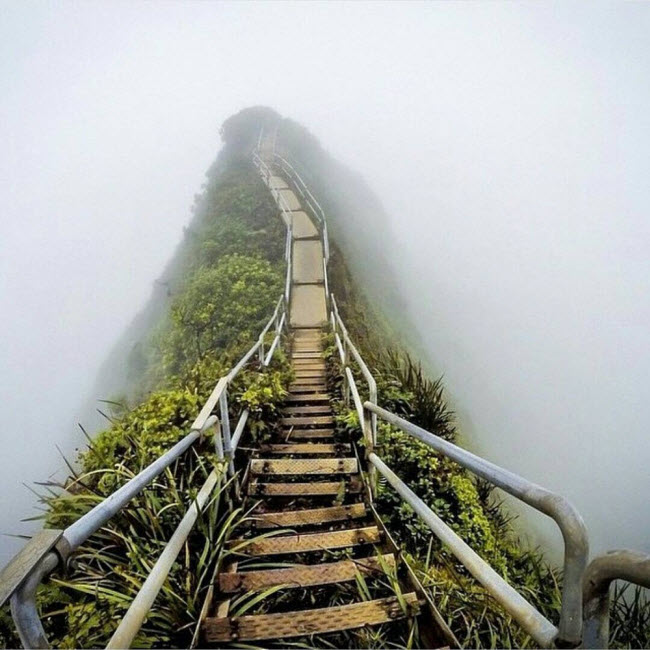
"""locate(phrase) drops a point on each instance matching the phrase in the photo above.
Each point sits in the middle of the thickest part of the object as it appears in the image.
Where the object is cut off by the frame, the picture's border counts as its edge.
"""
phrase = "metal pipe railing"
(630, 566)
(539, 628)
(26, 571)
(141, 606)
(339, 326)
(568, 519)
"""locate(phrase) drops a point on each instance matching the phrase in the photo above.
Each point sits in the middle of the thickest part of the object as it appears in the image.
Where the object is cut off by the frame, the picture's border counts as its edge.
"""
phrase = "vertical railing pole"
(346, 385)
(225, 428)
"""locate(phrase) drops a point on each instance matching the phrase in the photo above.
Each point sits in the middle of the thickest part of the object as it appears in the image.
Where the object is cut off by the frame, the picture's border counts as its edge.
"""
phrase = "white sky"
(509, 142)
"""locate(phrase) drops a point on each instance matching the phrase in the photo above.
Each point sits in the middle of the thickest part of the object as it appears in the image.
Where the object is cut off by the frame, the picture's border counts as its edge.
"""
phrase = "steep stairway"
(307, 487)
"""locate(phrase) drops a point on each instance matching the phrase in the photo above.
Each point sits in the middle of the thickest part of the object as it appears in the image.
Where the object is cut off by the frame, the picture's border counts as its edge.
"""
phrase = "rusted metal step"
(310, 517)
(311, 489)
(306, 408)
(299, 375)
(309, 434)
(307, 388)
(309, 420)
(306, 448)
(310, 621)
(314, 397)
(310, 575)
(298, 367)
(305, 466)
(307, 542)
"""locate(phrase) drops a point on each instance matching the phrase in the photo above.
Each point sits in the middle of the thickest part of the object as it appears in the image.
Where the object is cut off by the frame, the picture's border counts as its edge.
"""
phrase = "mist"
(509, 144)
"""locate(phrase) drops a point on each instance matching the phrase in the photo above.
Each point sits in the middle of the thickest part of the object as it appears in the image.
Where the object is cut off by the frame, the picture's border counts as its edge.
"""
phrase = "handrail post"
(630, 566)
(23, 604)
(346, 383)
(225, 428)
(260, 350)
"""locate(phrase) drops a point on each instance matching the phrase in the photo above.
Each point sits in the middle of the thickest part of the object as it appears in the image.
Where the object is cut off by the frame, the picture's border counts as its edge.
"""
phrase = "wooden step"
(310, 621)
(306, 408)
(305, 466)
(310, 575)
(306, 355)
(310, 517)
(306, 448)
(307, 542)
(311, 489)
(314, 397)
(308, 434)
(294, 421)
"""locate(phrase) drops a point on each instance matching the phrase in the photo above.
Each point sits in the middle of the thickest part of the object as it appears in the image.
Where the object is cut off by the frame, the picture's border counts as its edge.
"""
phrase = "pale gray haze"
(509, 143)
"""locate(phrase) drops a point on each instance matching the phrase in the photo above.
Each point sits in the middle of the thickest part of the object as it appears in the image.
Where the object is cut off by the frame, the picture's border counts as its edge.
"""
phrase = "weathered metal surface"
(305, 466)
(277, 183)
(307, 421)
(303, 226)
(306, 448)
(308, 517)
(25, 560)
(307, 543)
(310, 374)
(24, 610)
(308, 434)
(301, 355)
(311, 489)
(539, 627)
(308, 364)
(313, 397)
(630, 566)
(303, 575)
(310, 621)
(307, 261)
(308, 306)
(308, 408)
(290, 199)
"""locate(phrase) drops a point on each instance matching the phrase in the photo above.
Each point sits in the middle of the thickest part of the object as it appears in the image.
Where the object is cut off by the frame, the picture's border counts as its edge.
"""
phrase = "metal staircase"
(313, 525)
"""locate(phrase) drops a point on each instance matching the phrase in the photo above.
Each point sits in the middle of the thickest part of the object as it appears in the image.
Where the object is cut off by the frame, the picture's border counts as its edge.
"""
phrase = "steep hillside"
(206, 310)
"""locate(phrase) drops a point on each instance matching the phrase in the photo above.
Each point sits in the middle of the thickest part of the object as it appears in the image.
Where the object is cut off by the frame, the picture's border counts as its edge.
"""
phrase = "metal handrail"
(531, 620)
(568, 519)
(627, 565)
(630, 566)
(20, 578)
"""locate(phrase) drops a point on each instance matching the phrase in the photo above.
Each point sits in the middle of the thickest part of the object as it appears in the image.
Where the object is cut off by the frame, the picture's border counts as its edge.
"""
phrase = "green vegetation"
(469, 506)
(223, 285)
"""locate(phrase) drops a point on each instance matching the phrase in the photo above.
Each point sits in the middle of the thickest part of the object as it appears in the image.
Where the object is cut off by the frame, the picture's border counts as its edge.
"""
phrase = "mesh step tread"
(327, 488)
(305, 466)
(308, 408)
(314, 397)
(309, 575)
(308, 542)
(310, 621)
(313, 419)
(307, 388)
(309, 434)
(306, 448)
(309, 374)
(308, 381)
(309, 517)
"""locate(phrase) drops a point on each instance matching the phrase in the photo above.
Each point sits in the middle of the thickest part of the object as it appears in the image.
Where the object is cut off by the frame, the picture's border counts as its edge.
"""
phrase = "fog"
(509, 143)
